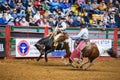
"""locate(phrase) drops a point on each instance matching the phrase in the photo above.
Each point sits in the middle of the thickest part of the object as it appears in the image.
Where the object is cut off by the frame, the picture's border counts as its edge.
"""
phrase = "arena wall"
(11, 33)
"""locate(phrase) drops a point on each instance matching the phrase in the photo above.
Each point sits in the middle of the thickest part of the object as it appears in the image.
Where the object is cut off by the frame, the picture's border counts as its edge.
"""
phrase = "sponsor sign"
(2, 47)
(26, 48)
(58, 53)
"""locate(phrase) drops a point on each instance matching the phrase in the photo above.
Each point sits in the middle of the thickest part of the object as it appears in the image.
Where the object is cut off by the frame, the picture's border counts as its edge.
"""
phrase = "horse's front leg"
(85, 68)
(40, 56)
(81, 66)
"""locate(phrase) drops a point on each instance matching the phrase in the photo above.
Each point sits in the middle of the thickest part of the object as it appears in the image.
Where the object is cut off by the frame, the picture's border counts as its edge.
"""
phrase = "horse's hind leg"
(46, 59)
(39, 56)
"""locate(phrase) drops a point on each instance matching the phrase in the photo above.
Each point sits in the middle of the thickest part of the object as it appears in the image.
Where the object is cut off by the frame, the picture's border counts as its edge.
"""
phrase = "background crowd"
(95, 13)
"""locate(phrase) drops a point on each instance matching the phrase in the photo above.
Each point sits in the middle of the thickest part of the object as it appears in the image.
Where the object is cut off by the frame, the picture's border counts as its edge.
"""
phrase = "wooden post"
(46, 31)
(115, 44)
(7, 40)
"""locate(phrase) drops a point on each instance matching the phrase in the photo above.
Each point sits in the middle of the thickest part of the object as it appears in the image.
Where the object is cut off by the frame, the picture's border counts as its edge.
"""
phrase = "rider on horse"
(81, 39)
(61, 26)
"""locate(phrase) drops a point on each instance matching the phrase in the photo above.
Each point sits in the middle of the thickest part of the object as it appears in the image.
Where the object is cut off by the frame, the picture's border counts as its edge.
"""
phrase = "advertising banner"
(2, 47)
(26, 48)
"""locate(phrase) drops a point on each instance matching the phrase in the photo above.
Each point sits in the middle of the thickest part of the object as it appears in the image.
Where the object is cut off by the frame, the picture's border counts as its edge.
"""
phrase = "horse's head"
(61, 37)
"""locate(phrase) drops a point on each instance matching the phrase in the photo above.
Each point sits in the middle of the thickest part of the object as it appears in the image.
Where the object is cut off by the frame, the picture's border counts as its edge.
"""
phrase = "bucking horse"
(51, 43)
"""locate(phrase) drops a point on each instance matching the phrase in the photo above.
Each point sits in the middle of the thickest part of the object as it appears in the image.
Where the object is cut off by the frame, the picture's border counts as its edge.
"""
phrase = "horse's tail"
(112, 53)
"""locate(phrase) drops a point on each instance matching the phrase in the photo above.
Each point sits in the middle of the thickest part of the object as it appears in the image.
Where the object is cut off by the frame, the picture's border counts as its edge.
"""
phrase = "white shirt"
(83, 34)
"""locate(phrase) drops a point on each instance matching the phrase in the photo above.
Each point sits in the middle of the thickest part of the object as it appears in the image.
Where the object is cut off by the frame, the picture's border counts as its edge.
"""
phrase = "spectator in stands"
(80, 2)
(45, 23)
(95, 6)
(36, 16)
(14, 13)
(19, 7)
(45, 5)
(89, 7)
(40, 21)
(11, 3)
(4, 6)
(85, 16)
(110, 7)
(69, 21)
(102, 6)
(77, 22)
(117, 5)
(112, 24)
(32, 21)
(31, 8)
(52, 22)
(75, 8)
(3, 20)
(38, 4)
(54, 5)
(23, 22)
(105, 18)
(16, 22)
(8, 16)
(117, 19)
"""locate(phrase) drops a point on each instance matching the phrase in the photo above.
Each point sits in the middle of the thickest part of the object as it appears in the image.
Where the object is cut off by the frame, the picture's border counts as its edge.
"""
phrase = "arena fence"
(9, 34)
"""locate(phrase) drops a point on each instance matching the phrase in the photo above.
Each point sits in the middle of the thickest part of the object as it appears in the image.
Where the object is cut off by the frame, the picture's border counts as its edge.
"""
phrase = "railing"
(10, 33)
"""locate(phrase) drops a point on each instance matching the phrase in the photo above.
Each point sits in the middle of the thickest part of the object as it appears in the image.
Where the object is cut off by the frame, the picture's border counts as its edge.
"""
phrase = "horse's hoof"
(37, 60)
(74, 66)
(81, 67)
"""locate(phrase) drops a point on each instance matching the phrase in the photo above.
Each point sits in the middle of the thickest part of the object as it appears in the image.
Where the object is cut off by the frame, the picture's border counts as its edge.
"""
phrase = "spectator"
(89, 7)
(69, 21)
(23, 22)
(117, 5)
(37, 16)
(117, 19)
(112, 24)
(38, 4)
(3, 19)
(52, 22)
(77, 21)
(32, 21)
(95, 6)
(102, 6)
(31, 8)
(80, 2)
(45, 5)
(8, 15)
(4, 6)
(45, 23)
(17, 22)
(14, 13)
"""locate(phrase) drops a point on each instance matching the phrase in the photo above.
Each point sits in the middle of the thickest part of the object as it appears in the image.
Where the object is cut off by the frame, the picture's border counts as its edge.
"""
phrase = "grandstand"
(96, 13)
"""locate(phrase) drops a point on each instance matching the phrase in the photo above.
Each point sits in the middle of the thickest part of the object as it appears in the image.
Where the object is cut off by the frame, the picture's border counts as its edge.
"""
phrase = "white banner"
(26, 48)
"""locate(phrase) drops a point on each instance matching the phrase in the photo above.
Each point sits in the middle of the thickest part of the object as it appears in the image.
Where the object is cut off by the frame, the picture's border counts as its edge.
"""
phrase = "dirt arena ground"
(103, 69)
